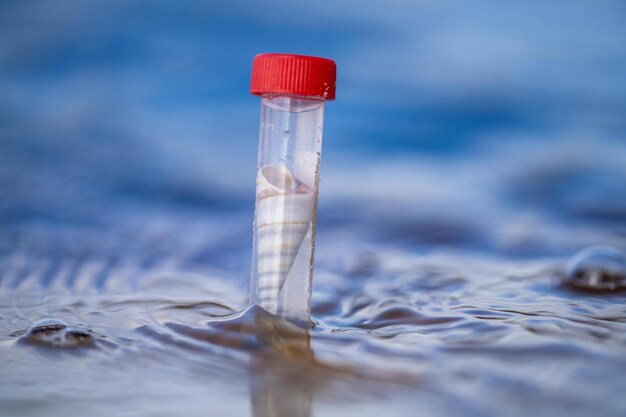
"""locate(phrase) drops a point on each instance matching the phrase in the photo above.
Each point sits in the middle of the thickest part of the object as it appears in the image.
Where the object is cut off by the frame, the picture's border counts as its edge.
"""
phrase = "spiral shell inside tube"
(284, 214)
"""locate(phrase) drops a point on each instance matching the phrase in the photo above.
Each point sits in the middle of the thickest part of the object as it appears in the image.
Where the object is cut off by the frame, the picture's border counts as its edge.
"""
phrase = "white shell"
(306, 168)
(284, 211)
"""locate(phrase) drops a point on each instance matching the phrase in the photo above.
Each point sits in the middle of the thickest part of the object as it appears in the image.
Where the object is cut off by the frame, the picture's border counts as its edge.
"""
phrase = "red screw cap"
(298, 75)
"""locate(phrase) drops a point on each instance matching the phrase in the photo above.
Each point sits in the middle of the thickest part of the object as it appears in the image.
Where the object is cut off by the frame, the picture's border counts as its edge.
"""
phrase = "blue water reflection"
(495, 127)
(473, 148)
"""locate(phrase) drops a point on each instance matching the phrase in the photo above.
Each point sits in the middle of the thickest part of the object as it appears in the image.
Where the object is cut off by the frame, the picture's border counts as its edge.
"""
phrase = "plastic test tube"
(293, 89)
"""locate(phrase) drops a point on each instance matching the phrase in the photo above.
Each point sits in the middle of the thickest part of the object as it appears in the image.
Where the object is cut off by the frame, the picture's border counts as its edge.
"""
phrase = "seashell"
(307, 167)
(284, 214)
(273, 180)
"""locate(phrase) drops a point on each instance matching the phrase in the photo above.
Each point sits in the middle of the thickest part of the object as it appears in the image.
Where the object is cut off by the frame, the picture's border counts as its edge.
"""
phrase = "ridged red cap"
(299, 75)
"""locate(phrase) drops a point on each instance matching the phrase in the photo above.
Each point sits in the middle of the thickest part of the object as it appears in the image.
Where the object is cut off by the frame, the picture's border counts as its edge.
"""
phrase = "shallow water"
(394, 333)
(451, 211)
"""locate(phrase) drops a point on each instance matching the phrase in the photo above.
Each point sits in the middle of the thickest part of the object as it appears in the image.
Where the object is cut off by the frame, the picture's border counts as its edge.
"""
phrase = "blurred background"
(473, 147)
(491, 128)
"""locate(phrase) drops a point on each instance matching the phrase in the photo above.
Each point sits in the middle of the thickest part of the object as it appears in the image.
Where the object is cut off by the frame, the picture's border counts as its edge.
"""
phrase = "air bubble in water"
(597, 268)
(57, 333)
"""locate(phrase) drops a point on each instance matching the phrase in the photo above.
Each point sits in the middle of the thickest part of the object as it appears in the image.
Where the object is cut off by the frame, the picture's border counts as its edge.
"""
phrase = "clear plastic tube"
(290, 144)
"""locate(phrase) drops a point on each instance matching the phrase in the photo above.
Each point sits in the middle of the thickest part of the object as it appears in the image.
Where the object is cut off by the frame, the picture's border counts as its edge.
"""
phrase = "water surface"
(452, 205)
